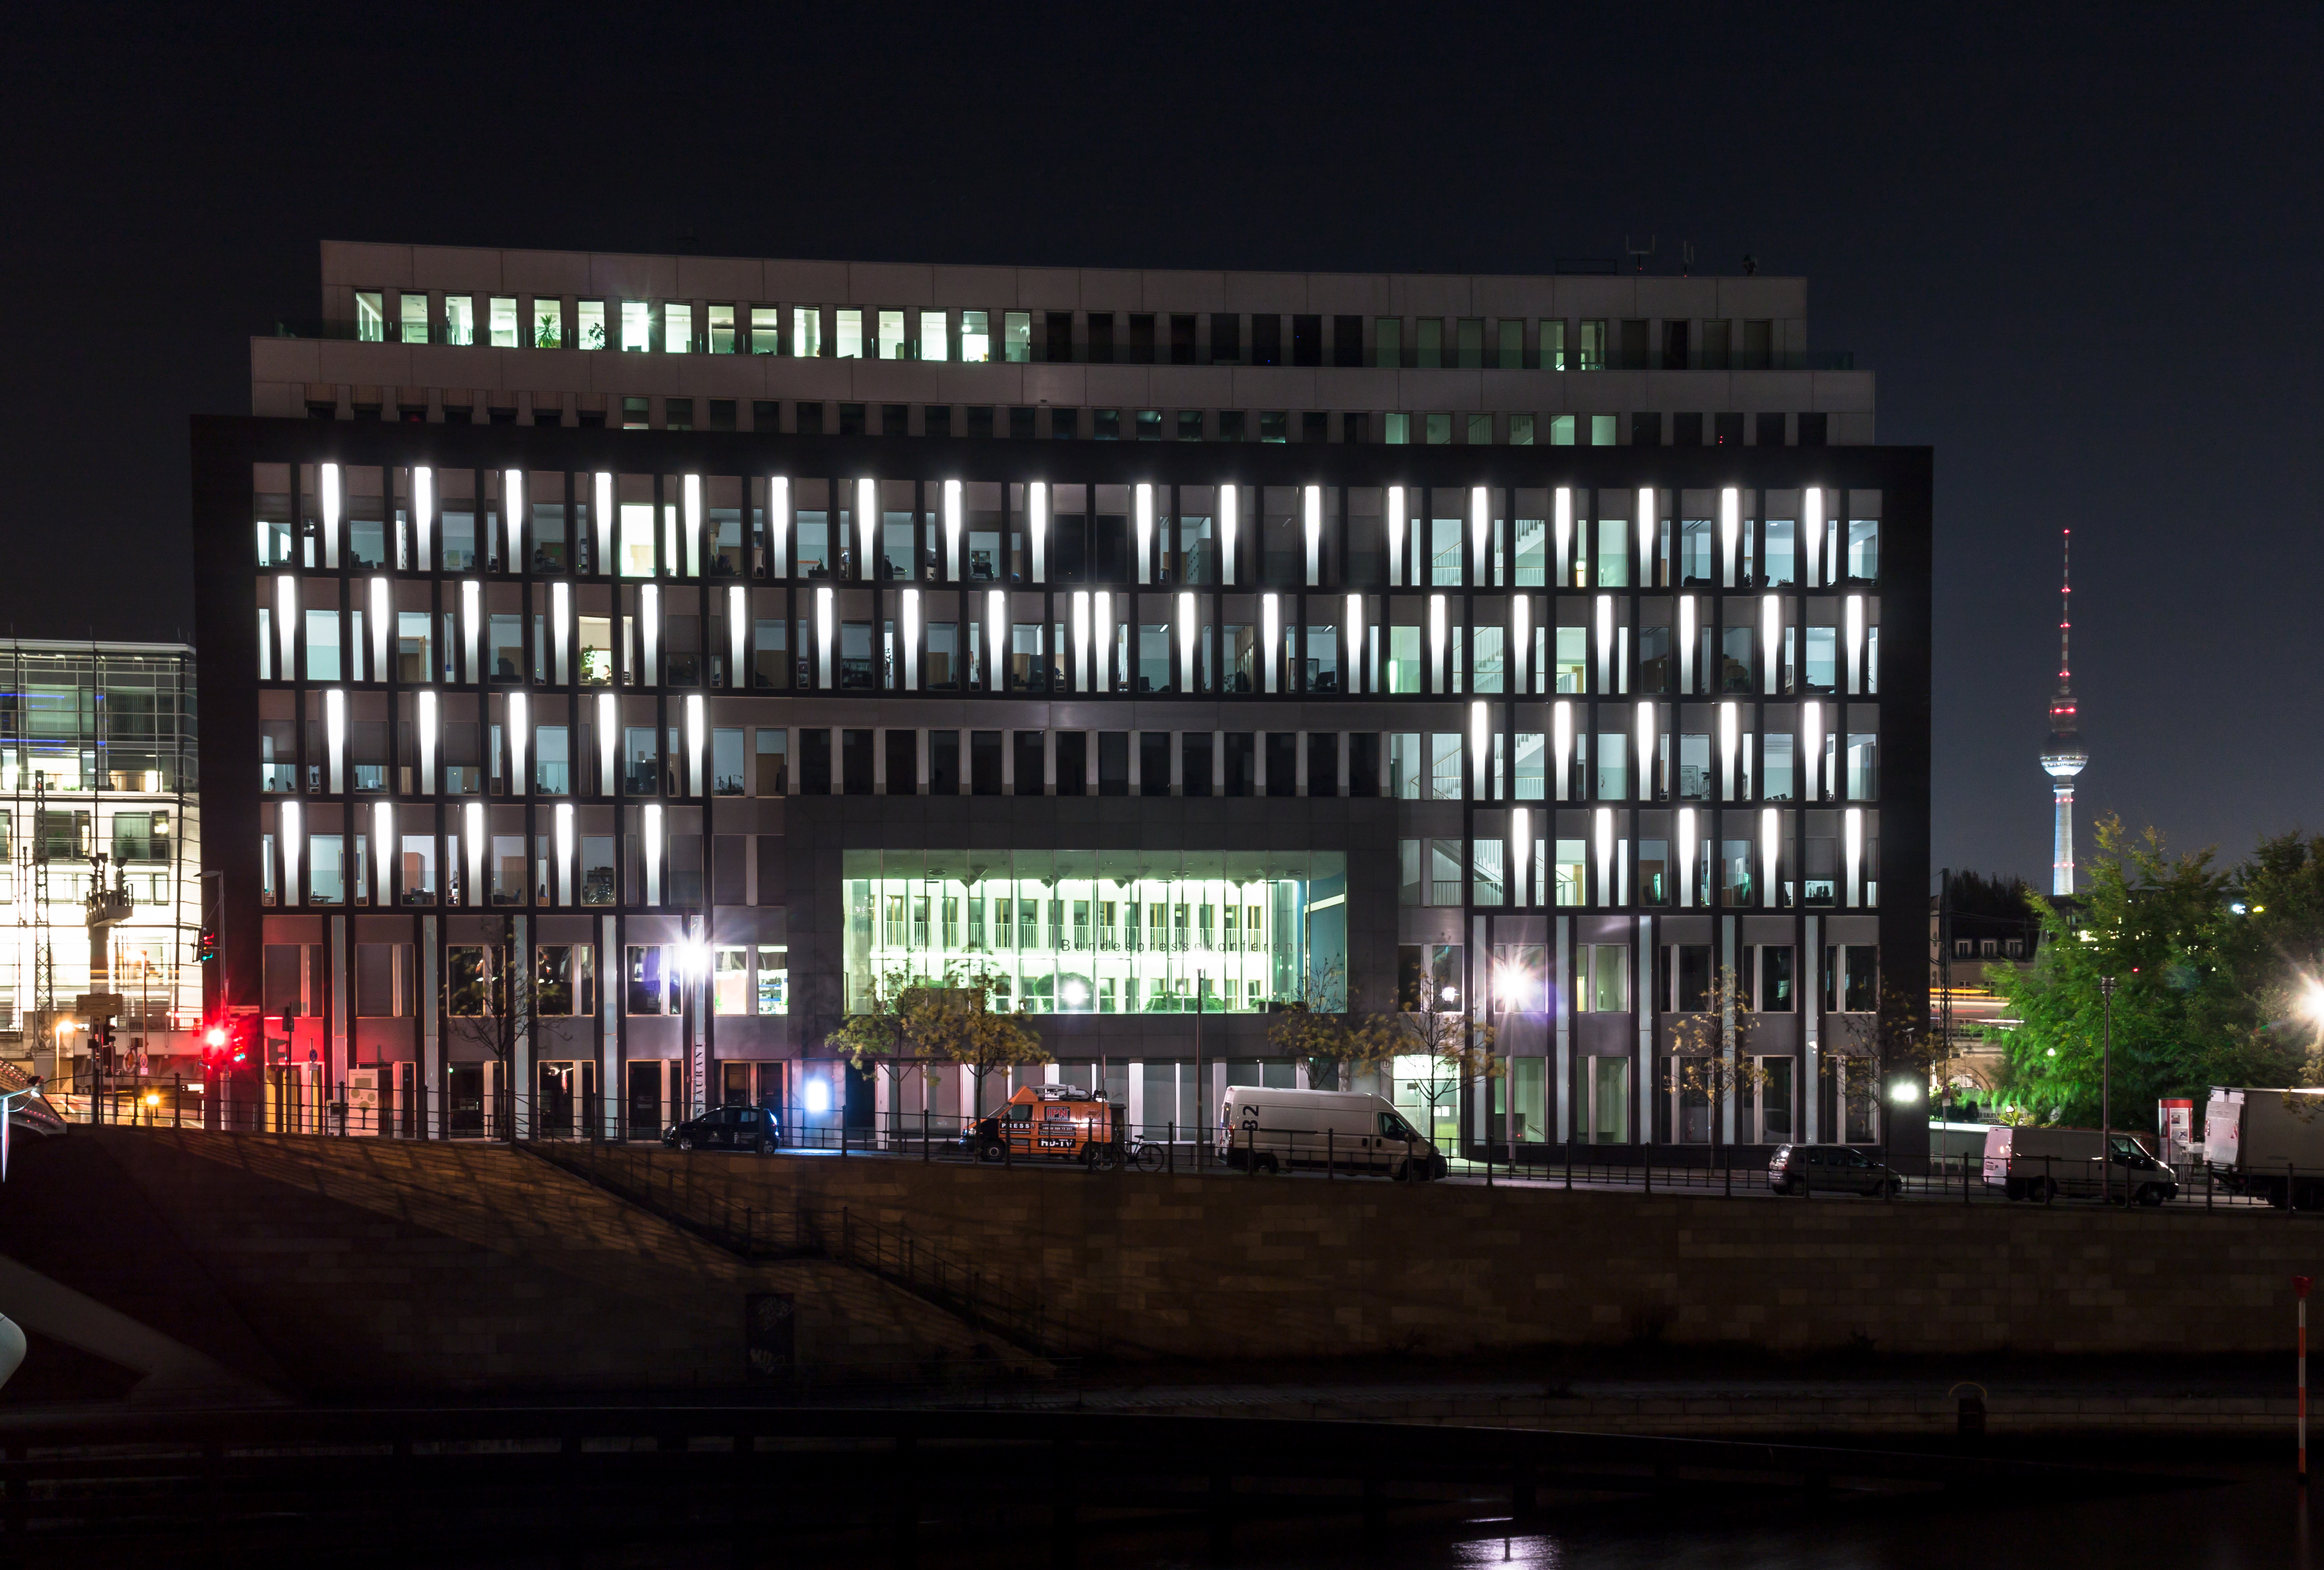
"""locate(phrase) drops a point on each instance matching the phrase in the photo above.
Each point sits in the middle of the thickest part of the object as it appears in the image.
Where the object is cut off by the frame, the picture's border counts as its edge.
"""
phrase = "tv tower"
(2064, 756)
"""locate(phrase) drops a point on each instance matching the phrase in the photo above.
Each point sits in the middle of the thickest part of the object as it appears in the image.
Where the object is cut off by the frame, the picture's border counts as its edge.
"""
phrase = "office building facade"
(1483, 644)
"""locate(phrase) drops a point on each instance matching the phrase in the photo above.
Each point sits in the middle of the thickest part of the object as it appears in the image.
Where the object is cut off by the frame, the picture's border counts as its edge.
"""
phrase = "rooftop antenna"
(1638, 257)
(2064, 756)
(1686, 259)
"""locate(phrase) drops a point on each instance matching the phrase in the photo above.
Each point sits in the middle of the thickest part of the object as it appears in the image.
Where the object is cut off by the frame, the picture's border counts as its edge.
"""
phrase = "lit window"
(721, 329)
(891, 336)
(849, 336)
(932, 335)
(503, 321)
(413, 308)
(637, 327)
(766, 330)
(460, 319)
(975, 338)
(1017, 336)
(676, 329)
(592, 333)
(807, 331)
(774, 978)
(1440, 430)
(730, 979)
(548, 324)
(1593, 346)
(371, 315)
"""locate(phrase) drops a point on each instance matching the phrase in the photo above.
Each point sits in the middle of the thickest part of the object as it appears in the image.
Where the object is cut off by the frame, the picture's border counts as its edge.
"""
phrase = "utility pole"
(2106, 1113)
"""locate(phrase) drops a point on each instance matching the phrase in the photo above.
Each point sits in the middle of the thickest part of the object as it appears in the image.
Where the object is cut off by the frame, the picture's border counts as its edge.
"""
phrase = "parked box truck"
(2267, 1143)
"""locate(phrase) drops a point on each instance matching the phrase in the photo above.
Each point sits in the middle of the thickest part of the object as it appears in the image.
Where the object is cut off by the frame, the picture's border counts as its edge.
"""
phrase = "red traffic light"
(215, 1036)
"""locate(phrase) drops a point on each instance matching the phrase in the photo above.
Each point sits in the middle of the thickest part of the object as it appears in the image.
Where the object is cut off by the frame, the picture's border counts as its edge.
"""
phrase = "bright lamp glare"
(2313, 1001)
(1904, 1094)
(817, 1096)
(217, 1036)
(1076, 993)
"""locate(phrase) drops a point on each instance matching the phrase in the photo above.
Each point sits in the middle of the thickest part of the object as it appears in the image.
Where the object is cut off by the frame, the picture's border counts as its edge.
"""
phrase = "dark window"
(1266, 338)
(1282, 763)
(1229, 425)
(1363, 763)
(984, 763)
(1060, 346)
(678, 413)
(810, 419)
(1190, 425)
(1771, 431)
(935, 419)
(1314, 425)
(1150, 425)
(1100, 337)
(815, 761)
(903, 763)
(722, 415)
(1758, 346)
(979, 420)
(1182, 340)
(895, 419)
(1307, 340)
(1064, 423)
(1105, 425)
(1021, 424)
(850, 420)
(1195, 763)
(1028, 769)
(1674, 338)
(496, 415)
(1717, 338)
(1355, 430)
(1226, 338)
(1073, 762)
(1726, 429)
(944, 762)
(1240, 771)
(1323, 762)
(1154, 762)
(1692, 993)
(591, 418)
(770, 869)
(1646, 429)
(466, 414)
(1686, 431)
(1815, 428)
(1347, 340)
(316, 410)
(855, 761)
(1274, 425)
(766, 414)
(542, 415)
(1141, 340)
(1113, 762)
(637, 414)
(1632, 354)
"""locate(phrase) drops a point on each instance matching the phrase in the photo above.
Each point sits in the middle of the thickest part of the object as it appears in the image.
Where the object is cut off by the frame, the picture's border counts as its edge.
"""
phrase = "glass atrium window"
(932, 335)
(1099, 932)
(413, 308)
(807, 331)
(721, 329)
(547, 324)
(591, 331)
(503, 321)
(849, 336)
(460, 319)
(975, 338)
(891, 335)
(1017, 336)
(676, 329)
(637, 327)
(371, 315)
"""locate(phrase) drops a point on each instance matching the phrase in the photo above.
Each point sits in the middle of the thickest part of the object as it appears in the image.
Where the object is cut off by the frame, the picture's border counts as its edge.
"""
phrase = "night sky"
(2078, 246)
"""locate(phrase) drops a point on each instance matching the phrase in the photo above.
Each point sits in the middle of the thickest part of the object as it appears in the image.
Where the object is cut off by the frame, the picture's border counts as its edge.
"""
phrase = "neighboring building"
(97, 774)
(1568, 712)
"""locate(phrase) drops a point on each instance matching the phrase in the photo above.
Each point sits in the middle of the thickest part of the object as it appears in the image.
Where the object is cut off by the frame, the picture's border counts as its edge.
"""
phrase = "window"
(766, 335)
(1429, 342)
(371, 315)
(1439, 428)
(322, 645)
(848, 335)
(1444, 773)
(1469, 343)
(1604, 984)
(547, 324)
(1387, 342)
(1226, 338)
(721, 329)
(591, 332)
(413, 311)
(1593, 347)
(460, 319)
(807, 331)
(934, 344)
(503, 321)
(774, 978)
(1274, 425)
(730, 979)
(1512, 347)
(1521, 432)
(1398, 429)
(676, 329)
(652, 981)
(975, 336)
(1017, 336)
(1570, 874)
(637, 327)
(468, 989)
(1552, 345)
(726, 760)
(1774, 981)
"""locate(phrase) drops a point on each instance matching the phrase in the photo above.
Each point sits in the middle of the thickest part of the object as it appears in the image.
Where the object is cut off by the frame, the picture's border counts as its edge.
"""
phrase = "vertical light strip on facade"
(1604, 645)
(1230, 504)
(382, 839)
(1520, 857)
(1687, 835)
(738, 627)
(608, 742)
(1812, 747)
(1521, 641)
(602, 512)
(1647, 736)
(1812, 532)
(1852, 833)
(778, 523)
(330, 482)
(380, 619)
(520, 732)
(1102, 677)
(1478, 527)
(334, 736)
(694, 739)
(996, 633)
(565, 853)
(952, 530)
(867, 530)
(1190, 673)
(1479, 749)
(1270, 656)
(822, 636)
(473, 891)
(1081, 641)
(1856, 644)
(423, 517)
(1560, 734)
(1604, 823)
(294, 839)
(693, 495)
(1396, 525)
(911, 598)
(1730, 531)
(1036, 510)
(1143, 513)
(1359, 669)
(472, 614)
(1566, 577)
(1686, 640)
(513, 501)
(1312, 501)
(652, 816)
(1770, 848)
(424, 708)
(1649, 516)
(1438, 676)
(286, 625)
(1729, 737)
(1771, 642)
(650, 630)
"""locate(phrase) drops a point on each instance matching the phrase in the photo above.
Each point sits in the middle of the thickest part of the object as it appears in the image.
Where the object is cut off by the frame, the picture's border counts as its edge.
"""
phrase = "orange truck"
(1062, 1122)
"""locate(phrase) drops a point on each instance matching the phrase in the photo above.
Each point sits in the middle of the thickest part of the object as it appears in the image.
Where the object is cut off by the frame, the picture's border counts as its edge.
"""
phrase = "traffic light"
(205, 947)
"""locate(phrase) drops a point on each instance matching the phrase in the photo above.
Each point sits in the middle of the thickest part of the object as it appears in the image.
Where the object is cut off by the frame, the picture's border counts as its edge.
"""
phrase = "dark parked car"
(1819, 1168)
(726, 1128)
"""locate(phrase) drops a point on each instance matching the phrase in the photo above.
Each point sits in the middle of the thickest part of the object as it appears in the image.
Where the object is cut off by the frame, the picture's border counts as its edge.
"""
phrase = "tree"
(919, 1019)
(1452, 1049)
(1337, 1043)
(1700, 1051)
(489, 1005)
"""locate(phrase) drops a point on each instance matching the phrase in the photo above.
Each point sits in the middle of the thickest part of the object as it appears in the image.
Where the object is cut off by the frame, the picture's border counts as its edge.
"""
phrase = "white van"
(2036, 1162)
(1353, 1130)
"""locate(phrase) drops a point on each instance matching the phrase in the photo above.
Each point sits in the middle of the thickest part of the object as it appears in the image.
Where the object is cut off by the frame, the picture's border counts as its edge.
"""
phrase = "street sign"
(99, 1005)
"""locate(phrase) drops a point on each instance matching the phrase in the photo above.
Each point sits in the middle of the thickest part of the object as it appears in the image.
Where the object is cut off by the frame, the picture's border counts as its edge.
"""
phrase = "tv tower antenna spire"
(2064, 756)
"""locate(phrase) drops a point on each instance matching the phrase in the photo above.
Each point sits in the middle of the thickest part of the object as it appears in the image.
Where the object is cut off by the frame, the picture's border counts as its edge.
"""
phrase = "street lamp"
(2105, 1116)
